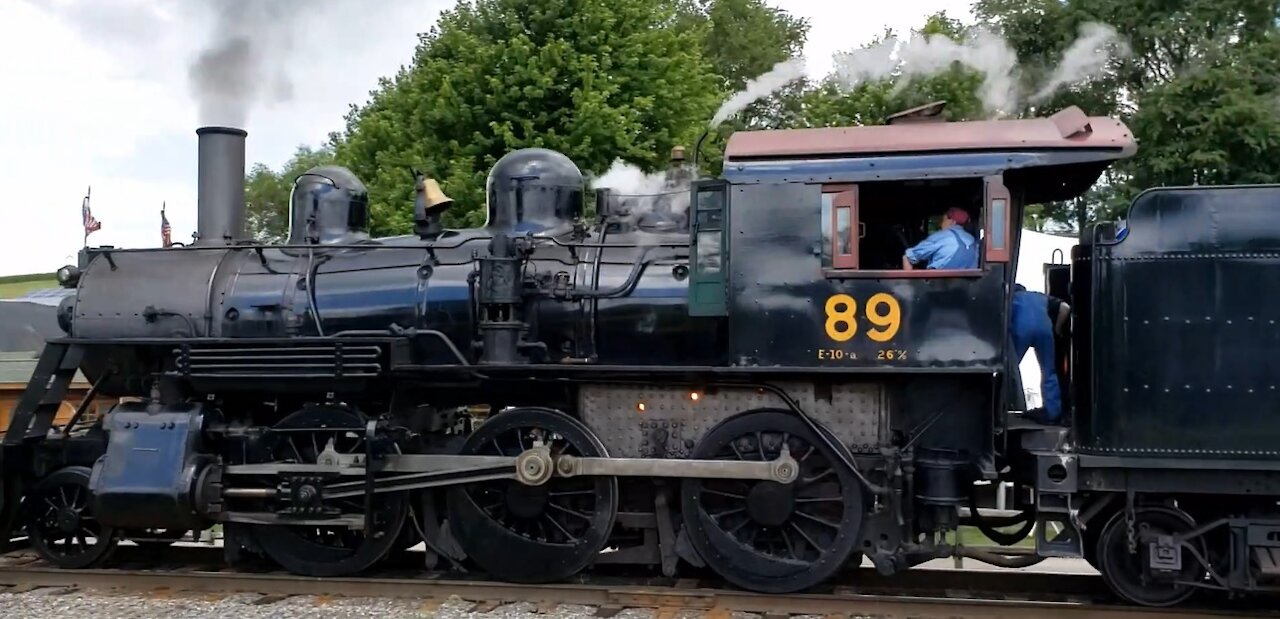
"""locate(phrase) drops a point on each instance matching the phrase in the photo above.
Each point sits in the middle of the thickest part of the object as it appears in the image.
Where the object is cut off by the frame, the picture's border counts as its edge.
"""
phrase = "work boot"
(1041, 416)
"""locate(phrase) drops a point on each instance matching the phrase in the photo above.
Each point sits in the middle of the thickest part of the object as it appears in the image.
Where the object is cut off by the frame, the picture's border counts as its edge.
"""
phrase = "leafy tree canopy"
(629, 79)
(597, 80)
(1198, 89)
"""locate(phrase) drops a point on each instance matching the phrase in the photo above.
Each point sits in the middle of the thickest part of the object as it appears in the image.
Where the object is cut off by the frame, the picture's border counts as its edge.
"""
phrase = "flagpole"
(87, 192)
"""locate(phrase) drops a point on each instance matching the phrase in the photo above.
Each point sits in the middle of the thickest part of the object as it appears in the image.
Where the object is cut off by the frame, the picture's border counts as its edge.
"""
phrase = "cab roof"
(1070, 129)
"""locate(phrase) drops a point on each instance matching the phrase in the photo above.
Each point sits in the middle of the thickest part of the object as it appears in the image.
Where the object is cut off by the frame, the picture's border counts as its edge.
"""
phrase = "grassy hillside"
(18, 285)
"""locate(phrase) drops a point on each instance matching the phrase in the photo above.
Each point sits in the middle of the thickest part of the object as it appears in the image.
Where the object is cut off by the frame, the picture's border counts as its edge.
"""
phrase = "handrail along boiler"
(733, 373)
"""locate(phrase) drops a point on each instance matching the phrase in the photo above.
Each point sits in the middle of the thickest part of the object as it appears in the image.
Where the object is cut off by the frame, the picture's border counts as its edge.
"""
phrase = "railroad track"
(920, 594)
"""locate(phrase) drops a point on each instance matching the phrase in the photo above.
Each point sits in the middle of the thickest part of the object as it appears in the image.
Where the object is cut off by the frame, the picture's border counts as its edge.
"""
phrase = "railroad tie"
(485, 606)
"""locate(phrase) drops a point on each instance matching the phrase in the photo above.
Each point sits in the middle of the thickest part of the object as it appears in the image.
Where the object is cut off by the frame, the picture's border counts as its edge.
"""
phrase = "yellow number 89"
(882, 310)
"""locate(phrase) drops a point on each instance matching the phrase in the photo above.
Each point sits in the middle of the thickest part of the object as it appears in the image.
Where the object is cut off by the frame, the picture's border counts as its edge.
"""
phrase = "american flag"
(91, 225)
(165, 230)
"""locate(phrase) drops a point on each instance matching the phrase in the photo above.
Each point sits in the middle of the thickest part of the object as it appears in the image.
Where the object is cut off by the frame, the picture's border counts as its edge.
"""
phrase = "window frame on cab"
(997, 213)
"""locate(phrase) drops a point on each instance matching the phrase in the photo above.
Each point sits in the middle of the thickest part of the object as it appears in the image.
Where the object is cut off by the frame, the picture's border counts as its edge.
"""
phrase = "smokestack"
(220, 183)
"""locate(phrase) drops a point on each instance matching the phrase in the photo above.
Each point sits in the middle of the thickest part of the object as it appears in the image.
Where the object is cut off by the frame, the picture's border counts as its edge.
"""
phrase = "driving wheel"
(767, 536)
(533, 534)
(321, 551)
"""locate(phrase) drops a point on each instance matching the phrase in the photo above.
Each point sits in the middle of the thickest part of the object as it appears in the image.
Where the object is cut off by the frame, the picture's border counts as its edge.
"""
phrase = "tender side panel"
(1185, 330)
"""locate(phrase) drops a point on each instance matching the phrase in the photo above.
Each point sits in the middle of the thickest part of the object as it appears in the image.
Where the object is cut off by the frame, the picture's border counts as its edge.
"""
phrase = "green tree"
(1198, 88)
(597, 80)
(267, 193)
(1216, 123)
(745, 38)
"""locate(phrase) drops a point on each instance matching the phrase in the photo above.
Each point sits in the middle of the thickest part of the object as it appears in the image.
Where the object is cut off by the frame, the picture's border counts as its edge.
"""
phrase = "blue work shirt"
(953, 248)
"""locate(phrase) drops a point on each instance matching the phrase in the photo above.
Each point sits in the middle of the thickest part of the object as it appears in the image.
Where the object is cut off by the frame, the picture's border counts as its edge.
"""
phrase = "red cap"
(958, 215)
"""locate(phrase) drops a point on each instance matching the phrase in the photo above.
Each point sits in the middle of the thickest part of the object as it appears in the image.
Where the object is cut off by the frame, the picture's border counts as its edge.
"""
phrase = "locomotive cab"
(799, 250)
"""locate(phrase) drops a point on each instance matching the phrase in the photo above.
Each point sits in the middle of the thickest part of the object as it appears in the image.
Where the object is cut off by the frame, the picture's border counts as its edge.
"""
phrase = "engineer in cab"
(951, 247)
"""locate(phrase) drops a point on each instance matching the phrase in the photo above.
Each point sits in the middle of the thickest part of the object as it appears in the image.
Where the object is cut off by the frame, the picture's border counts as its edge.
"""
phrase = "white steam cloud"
(647, 199)
(627, 179)
(924, 55)
(766, 84)
(1087, 56)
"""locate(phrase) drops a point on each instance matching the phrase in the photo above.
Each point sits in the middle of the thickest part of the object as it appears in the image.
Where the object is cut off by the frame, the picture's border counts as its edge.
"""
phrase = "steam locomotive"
(735, 373)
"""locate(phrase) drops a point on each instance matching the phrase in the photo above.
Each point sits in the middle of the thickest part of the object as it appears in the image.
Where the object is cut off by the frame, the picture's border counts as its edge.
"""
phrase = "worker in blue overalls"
(952, 247)
(1030, 327)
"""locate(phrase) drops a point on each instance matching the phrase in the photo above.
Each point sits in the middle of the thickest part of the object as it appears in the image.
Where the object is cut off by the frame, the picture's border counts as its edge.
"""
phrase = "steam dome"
(534, 190)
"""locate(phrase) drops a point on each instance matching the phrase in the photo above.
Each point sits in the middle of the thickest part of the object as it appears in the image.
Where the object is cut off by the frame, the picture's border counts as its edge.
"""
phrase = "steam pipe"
(220, 186)
(697, 151)
(998, 560)
(633, 278)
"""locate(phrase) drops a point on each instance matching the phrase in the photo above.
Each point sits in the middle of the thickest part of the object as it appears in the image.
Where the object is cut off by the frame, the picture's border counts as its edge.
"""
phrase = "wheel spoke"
(822, 521)
(812, 544)
(819, 499)
(571, 493)
(570, 511)
(790, 549)
(569, 537)
(722, 493)
(736, 510)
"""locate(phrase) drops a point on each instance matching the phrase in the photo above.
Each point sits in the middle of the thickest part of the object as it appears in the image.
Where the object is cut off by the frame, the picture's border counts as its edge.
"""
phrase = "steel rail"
(603, 597)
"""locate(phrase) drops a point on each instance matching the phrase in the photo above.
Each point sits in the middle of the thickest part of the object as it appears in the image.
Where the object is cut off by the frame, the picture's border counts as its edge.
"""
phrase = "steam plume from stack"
(780, 75)
(921, 56)
(1087, 56)
(244, 62)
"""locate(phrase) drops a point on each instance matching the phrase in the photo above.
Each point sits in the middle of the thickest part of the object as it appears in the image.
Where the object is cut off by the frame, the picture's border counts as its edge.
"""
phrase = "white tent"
(1035, 250)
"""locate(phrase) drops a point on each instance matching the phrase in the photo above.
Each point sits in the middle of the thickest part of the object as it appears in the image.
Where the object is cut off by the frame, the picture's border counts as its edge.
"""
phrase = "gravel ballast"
(61, 603)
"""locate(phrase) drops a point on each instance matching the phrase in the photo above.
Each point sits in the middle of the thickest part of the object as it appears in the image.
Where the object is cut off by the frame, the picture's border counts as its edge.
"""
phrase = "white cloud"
(95, 93)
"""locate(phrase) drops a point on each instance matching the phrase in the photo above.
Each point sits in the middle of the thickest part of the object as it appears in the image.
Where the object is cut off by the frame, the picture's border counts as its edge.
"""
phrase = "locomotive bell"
(534, 190)
(432, 196)
(428, 206)
(328, 205)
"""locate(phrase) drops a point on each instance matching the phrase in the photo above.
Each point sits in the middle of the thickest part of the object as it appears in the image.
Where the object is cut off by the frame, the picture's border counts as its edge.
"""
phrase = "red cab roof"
(1068, 129)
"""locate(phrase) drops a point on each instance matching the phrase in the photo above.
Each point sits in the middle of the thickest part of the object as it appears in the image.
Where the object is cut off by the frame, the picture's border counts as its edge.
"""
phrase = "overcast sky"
(96, 94)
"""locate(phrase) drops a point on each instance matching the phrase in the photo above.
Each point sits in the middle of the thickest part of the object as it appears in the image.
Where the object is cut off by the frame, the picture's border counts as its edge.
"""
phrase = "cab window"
(867, 228)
